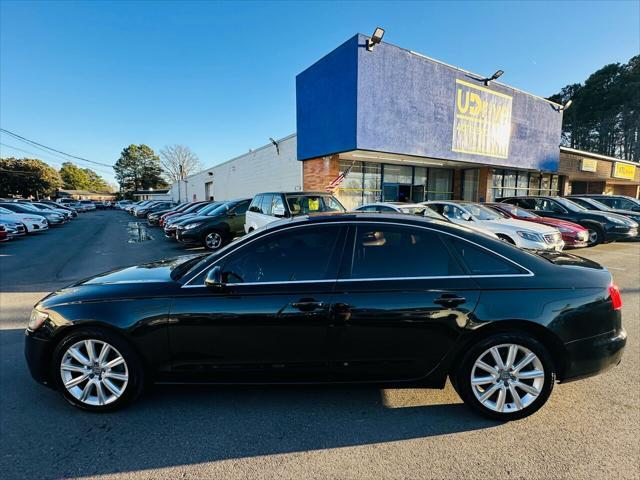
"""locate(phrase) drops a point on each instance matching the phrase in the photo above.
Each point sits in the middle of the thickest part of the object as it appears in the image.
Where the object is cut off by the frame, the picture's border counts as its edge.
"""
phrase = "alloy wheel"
(213, 240)
(94, 372)
(507, 378)
(593, 236)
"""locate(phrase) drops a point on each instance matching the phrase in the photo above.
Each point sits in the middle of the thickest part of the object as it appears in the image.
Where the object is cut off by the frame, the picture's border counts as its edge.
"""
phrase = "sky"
(90, 78)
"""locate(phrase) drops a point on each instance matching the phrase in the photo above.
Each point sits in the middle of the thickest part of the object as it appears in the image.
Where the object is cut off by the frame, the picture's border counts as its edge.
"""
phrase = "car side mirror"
(278, 211)
(214, 278)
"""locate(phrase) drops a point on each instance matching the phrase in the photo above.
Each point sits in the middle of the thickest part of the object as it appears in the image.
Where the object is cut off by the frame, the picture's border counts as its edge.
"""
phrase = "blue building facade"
(392, 106)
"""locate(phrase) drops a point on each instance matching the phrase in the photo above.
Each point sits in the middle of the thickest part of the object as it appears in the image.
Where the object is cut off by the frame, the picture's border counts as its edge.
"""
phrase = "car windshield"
(209, 209)
(590, 201)
(30, 207)
(412, 210)
(519, 212)
(304, 204)
(569, 205)
(479, 212)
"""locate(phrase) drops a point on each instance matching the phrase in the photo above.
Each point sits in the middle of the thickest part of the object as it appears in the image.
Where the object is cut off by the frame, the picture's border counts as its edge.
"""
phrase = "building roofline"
(597, 155)
(268, 145)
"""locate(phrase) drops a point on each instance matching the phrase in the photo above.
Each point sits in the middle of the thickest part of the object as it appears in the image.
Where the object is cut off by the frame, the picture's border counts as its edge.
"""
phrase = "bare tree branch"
(178, 161)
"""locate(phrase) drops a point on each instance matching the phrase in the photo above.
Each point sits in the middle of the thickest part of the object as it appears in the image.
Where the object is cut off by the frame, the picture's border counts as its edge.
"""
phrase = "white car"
(522, 234)
(87, 205)
(32, 222)
(269, 207)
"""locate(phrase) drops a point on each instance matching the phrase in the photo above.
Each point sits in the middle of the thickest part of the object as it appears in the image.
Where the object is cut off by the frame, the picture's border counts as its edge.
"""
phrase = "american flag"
(335, 183)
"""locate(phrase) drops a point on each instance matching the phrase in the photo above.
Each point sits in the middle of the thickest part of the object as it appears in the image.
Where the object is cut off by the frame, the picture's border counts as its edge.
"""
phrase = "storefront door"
(397, 192)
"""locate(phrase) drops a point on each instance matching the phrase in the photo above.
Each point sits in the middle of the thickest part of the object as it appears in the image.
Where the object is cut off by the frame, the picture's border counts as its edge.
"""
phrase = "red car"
(180, 209)
(3, 234)
(574, 235)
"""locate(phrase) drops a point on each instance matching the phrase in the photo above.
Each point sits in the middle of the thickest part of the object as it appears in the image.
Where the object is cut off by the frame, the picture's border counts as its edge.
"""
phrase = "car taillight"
(616, 298)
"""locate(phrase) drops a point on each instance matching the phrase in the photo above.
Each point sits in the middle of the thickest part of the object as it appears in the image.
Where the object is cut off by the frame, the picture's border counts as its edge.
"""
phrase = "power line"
(32, 142)
(48, 160)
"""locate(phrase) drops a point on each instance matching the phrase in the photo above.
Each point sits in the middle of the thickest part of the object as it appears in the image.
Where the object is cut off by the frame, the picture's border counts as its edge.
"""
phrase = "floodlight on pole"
(375, 39)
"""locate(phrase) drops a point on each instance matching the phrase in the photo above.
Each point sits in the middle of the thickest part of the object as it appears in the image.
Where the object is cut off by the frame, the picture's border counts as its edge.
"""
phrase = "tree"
(27, 177)
(605, 114)
(178, 161)
(74, 177)
(138, 168)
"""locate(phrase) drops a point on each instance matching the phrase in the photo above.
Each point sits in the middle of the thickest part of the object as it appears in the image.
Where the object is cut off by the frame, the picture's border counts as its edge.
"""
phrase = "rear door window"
(391, 251)
(266, 204)
(256, 204)
(480, 261)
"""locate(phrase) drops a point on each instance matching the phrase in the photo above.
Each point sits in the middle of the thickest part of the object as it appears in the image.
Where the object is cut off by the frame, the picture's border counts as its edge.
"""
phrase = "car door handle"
(307, 305)
(449, 300)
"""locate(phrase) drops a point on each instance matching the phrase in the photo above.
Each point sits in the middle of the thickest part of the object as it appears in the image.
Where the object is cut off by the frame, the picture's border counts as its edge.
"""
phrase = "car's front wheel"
(97, 371)
(506, 376)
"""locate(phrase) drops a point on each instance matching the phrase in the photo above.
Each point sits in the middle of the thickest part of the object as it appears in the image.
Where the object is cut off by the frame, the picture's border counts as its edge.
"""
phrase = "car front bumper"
(593, 355)
(620, 233)
(189, 237)
(37, 352)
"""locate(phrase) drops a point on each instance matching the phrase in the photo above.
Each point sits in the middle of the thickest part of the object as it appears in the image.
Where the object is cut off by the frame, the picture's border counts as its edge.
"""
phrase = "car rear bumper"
(593, 355)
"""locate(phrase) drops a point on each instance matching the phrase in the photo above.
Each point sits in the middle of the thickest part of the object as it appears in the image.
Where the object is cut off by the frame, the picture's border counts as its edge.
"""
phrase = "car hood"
(153, 272)
(555, 222)
(20, 217)
(197, 218)
(513, 225)
(625, 213)
(180, 217)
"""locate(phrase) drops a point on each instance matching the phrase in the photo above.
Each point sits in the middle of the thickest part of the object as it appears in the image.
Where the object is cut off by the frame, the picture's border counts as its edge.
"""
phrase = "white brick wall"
(260, 170)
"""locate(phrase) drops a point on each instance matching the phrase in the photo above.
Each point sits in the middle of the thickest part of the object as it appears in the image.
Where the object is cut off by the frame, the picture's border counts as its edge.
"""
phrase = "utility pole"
(179, 182)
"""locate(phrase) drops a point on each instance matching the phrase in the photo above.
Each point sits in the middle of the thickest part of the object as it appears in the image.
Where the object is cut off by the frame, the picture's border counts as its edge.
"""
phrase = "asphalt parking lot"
(588, 429)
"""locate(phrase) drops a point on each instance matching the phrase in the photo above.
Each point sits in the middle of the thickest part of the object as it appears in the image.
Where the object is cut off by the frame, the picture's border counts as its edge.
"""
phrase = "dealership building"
(400, 126)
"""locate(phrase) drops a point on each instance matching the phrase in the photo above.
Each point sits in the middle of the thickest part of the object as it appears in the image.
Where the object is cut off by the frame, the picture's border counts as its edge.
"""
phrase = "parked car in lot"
(153, 218)
(153, 207)
(31, 221)
(602, 227)
(62, 211)
(4, 236)
(597, 206)
(122, 203)
(216, 228)
(517, 232)
(179, 210)
(171, 223)
(53, 218)
(400, 207)
(396, 300)
(573, 235)
(12, 229)
(88, 205)
(269, 207)
(622, 202)
(66, 208)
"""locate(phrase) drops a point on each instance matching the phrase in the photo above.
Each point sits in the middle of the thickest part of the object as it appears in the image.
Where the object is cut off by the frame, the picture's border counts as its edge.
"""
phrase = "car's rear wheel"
(506, 376)
(97, 371)
(214, 240)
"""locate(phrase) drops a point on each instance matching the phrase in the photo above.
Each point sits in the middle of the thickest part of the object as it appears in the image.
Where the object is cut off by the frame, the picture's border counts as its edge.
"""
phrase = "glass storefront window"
(420, 176)
(439, 184)
(534, 184)
(470, 184)
(545, 185)
(372, 183)
(496, 184)
(350, 190)
(398, 174)
(522, 183)
(509, 183)
(554, 185)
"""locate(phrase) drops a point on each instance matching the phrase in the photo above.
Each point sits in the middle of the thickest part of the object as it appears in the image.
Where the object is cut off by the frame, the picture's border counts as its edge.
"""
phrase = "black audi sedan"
(393, 300)
(602, 226)
(216, 228)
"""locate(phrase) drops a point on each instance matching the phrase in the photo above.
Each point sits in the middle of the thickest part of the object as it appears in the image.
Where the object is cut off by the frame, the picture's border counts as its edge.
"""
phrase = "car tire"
(595, 235)
(515, 390)
(97, 384)
(214, 240)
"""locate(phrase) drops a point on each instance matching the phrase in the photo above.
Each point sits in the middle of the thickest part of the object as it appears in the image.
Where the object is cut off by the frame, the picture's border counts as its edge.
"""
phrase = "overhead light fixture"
(566, 105)
(375, 39)
(276, 145)
(493, 77)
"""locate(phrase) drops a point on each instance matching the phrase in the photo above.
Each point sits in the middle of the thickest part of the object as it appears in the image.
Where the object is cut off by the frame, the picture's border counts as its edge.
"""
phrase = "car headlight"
(192, 225)
(534, 237)
(615, 220)
(37, 319)
(565, 230)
